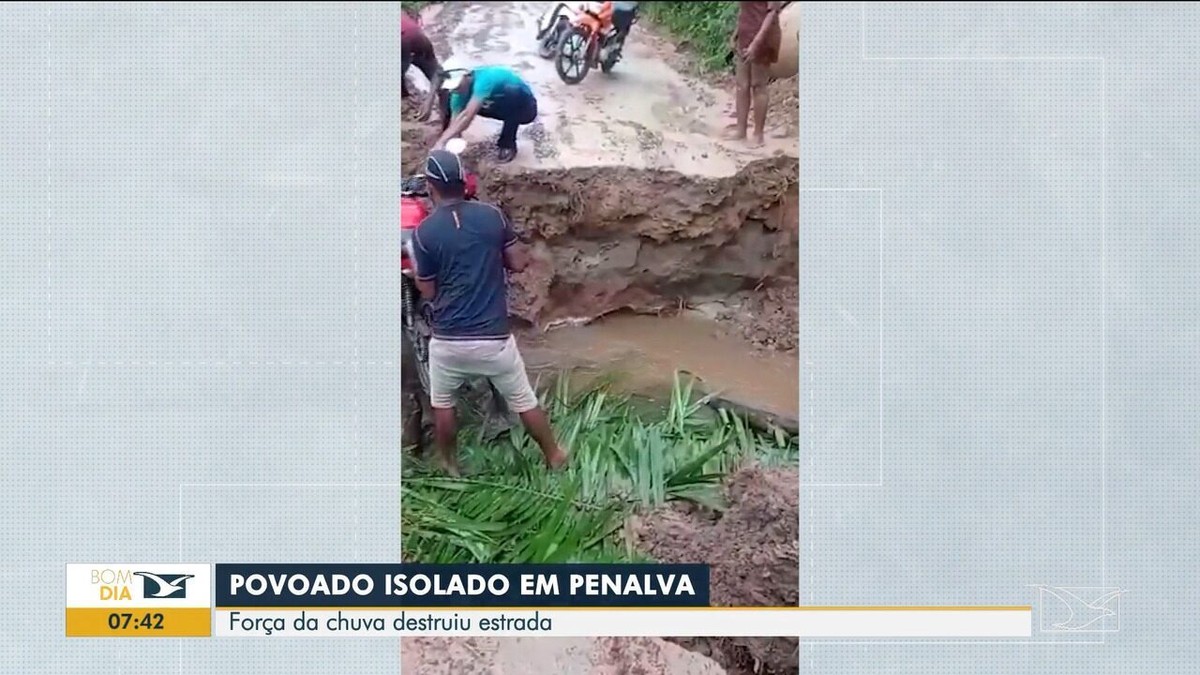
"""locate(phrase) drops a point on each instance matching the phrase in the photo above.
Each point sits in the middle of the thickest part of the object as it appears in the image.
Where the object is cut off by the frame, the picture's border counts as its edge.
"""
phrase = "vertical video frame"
(599, 308)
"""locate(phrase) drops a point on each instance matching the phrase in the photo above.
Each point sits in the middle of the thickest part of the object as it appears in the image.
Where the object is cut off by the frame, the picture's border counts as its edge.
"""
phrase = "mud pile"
(415, 137)
(768, 317)
(753, 549)
(784, 106)
(608, 239)
(560, 656)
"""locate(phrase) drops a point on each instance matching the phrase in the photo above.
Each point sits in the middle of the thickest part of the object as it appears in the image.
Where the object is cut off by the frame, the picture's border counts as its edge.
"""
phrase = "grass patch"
(703, 28)
(511, 510)
(415, 8)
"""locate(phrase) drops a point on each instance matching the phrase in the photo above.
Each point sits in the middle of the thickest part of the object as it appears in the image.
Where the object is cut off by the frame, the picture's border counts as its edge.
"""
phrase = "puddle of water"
(645, 351)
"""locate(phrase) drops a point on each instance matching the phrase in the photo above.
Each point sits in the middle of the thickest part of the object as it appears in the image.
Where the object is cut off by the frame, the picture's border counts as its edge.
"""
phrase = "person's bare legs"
(737, 131)
(512, 382)
(537, 423)
(759, 77)
(760, 99)
(445, 377)
(445, 432)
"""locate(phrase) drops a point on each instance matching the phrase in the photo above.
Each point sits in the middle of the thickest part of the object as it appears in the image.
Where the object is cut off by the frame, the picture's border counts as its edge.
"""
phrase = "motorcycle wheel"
(546, 47)
(420, 346)
(549, 41)
(573, 51)
(607, 65)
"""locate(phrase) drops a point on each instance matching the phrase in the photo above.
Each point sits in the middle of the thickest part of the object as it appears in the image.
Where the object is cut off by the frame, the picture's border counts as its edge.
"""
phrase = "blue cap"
(445, 167)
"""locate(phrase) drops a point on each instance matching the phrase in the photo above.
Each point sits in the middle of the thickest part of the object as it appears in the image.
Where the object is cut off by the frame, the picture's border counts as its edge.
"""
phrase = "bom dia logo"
(115, 584)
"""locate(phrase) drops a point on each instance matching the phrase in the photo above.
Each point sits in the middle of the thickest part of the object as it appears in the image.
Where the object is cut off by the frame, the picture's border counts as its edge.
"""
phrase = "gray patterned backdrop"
(999, 317)
(999, 323)
(198, 320)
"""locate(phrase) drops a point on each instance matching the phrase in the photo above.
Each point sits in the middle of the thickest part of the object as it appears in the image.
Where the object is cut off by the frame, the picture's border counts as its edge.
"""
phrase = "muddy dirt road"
(645, 115)
(631, 204)
(622, 188)
(656, 247)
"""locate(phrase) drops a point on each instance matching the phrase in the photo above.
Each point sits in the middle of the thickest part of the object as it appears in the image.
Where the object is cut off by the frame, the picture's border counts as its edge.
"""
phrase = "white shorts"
(453, 362)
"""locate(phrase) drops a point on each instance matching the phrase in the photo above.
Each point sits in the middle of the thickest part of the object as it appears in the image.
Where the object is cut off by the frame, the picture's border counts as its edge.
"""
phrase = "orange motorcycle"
(588, 39)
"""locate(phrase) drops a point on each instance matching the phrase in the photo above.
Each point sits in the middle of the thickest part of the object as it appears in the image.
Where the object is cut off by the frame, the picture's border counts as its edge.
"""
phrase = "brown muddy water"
(644, 352)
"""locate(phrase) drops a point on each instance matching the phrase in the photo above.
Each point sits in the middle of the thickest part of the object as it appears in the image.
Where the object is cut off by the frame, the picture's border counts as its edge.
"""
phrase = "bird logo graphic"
(164, 585)
(1087, 609)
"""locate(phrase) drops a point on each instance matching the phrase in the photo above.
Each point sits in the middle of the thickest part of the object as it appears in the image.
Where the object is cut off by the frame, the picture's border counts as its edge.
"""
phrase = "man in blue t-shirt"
(494, 92)
(462, 251)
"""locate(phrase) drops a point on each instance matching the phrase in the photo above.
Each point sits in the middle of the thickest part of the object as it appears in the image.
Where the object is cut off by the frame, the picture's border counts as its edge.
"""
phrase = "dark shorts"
(515, 107)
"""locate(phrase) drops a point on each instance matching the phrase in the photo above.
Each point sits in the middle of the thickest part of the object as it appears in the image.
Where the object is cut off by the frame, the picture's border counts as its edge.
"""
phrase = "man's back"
(489, 82)
(460, 247)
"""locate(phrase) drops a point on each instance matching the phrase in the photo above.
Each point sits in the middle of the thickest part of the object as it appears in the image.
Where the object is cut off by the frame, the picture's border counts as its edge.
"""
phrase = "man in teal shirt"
(494, 92)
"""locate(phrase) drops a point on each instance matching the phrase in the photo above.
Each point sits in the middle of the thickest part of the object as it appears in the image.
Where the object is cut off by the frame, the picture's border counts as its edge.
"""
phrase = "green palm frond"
(512, 510)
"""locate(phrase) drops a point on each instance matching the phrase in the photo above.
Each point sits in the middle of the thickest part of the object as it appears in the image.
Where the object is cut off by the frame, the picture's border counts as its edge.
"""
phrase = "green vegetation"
(415, 7)
(512, 510)
(703, 28)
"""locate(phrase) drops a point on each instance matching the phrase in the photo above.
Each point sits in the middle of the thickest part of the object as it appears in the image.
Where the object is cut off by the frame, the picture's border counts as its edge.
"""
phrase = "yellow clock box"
(151, 600)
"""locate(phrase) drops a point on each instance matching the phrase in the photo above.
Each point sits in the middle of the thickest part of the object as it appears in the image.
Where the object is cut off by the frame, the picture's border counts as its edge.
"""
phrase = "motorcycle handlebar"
(414, 186)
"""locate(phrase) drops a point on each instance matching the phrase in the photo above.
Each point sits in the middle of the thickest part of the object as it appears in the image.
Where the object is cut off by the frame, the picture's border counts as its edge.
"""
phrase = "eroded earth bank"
(647, 272)
(657, 248)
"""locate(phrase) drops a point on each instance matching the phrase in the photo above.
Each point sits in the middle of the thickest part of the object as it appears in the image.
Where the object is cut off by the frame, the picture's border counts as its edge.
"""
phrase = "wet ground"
(753, 550)
(634, 204)
(551, 656)
(645, 115)
(646, 351)
(616, 228)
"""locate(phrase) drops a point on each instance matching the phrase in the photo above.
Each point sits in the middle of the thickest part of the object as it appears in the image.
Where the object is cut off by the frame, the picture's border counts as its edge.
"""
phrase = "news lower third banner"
(390, 600)
(154, 600)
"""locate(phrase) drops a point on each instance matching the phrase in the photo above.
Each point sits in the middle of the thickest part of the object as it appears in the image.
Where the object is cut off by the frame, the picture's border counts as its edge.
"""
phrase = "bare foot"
(450, 467)
(557, 459)
(755, 142)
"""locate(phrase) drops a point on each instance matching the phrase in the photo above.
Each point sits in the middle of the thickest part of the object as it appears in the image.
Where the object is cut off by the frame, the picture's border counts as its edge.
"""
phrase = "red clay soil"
(769, 317)
(753, 549)
(610, 239)
(784, 106)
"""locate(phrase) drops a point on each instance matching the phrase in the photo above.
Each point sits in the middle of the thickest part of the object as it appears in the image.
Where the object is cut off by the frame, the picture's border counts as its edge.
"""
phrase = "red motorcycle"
(416, 313)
